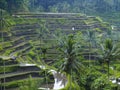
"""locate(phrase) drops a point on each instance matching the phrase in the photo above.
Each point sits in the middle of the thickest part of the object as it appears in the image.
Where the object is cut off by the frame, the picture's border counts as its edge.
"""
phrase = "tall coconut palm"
(109, 52)
(69, 55)
(70, 62)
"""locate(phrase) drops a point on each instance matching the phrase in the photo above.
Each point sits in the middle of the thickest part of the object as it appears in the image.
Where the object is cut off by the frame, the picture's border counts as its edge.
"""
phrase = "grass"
(18, 83)
(8, 68)
(17, 74)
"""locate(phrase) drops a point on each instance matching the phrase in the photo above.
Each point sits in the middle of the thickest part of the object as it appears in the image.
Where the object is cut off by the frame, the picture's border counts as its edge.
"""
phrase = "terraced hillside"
(32, 40)
(48, 24)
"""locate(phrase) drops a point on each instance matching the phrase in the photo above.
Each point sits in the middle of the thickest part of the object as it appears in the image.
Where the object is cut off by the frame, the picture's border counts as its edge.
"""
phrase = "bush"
(103, 83)
(30, 84)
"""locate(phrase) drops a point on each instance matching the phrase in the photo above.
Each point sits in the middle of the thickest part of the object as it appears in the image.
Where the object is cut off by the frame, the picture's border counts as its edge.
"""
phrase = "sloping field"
(35, 32)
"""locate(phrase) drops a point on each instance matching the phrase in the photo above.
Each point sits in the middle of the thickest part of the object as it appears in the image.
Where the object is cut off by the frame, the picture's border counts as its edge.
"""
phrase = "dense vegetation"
(108, 10)
(99, 6)
(84, 48)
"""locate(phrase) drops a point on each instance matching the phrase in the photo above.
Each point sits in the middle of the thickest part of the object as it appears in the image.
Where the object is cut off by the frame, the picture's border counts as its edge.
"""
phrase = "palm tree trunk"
(46, 79)
(90, 53)
(71, 80)
(108, 68)
(4, 74)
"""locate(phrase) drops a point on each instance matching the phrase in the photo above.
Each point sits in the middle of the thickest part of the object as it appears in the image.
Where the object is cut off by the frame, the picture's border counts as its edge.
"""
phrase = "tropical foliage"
(109, 52)
(88, 54)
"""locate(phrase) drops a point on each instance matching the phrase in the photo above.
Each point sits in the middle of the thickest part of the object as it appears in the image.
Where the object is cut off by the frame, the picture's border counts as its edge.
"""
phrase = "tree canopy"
(88, 6)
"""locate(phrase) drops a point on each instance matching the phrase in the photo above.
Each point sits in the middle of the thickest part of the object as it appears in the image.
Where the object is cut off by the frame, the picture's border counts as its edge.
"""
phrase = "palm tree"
(70, 62)
(109, 52)
(68, 50)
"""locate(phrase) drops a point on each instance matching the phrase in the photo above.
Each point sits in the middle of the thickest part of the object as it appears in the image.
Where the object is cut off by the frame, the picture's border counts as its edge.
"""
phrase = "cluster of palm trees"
(107, 51)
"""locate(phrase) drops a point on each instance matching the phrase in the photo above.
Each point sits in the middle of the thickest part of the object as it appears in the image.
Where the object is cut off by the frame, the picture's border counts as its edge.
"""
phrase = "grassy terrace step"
(26, 50)
(41, 44)
(52, 56)
(27, 33)
(4, 33)
(23, 30)
(28, 37)
(14, 85)
(17, 40)
(10, 62)
(31, 37)
(5, 44)
(51, 15)
(24, 33)
(16, 68)
(65, 25)
(69, 27)
(11, 65)
(58, 26)
(8, 68)
(96, 25)
(9, 80)
(25, 38)
(63, 21)
(25, 26)
(23, 50)
(18, 46)
(15, 74)
(17, 50)
(52, 51)
(71, 22)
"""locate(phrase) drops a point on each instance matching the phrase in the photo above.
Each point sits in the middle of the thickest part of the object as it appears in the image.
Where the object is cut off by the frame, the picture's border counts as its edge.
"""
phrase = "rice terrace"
(59, 44)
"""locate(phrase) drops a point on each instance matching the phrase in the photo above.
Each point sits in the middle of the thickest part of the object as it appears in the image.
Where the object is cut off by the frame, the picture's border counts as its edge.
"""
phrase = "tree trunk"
(108, 68)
